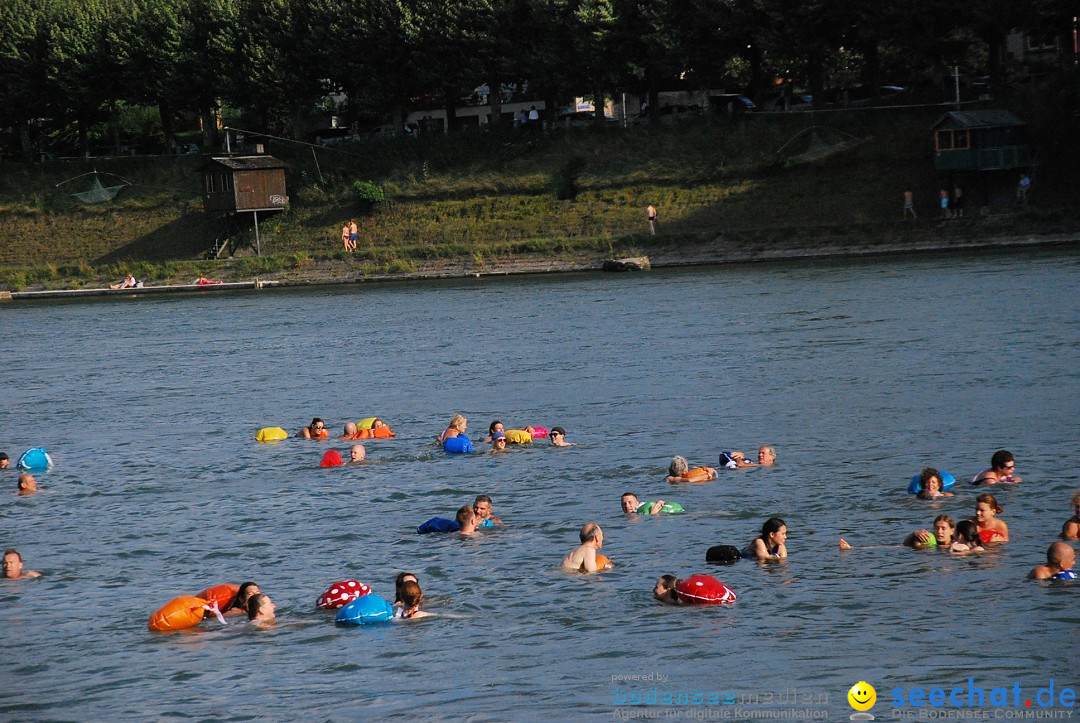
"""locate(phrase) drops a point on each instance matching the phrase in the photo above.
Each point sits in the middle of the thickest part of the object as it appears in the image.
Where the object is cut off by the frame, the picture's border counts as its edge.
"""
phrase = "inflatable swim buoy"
(220, 595)
(383, 432)
(697, 474)
(458, 445)
(931, 541)
(271, 434)
(722, 555)
(539, 432)
(366, 423)
(603, 562)
(704, 590)
(669, 508)
(331, 458)
(341, 594)
(364, 610)
(1064, 575)
(320, 433)
(518, 436)
(35, 458)
(179, 613)
(438, 524)
(727, 461)
(947, 481)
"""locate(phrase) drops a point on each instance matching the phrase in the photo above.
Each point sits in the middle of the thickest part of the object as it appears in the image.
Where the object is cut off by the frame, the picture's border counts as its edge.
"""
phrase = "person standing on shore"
(943, 197)
(909, 205)
(957, 202)
(354, 234)
(650, 214)
(345, 236)
(1022, 189)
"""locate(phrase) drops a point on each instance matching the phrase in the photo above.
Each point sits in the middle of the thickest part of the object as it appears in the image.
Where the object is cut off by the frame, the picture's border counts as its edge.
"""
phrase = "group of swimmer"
(970, 536)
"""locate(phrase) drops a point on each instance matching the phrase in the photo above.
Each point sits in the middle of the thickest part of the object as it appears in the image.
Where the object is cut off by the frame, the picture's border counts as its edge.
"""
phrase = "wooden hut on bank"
(981, 140)
(244, 184)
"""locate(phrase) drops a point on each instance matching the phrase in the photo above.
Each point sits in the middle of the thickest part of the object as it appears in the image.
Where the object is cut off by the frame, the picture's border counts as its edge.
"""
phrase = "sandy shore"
(660, 255)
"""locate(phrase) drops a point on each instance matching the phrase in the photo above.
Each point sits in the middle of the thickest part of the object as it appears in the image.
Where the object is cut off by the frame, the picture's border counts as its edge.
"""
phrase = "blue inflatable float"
(35, 459)
(458, 445)
(366, 610)
(947, 481)
(438, 524)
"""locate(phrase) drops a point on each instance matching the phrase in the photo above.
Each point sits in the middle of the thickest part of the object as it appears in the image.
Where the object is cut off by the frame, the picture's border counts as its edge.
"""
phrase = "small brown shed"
(244, 183)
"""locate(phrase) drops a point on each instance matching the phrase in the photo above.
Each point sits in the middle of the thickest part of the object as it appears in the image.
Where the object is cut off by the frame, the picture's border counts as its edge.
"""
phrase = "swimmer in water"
(4, 460)
(583, 558)
(357, 454)
(351, 432)
(27, 484)
(498, 442)
(664, 590)
(990, 528)
(13, 566)
(1071, 529)
(261, 609)
(494, 427)
(679, 471)
(966, 541)
(1060, 558)
(457, 426)
(1002, 466)
(399, 581)
(482, 508)
(770, 544)
(930, 485)
(316, 430)
(412, 597)
(630, 505)
(239, 602)
(944, 531)
(468, 520)
(557, 435)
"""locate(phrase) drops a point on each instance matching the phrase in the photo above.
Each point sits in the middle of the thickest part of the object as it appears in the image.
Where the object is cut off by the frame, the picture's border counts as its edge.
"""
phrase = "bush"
(565, 181)
(369, 194)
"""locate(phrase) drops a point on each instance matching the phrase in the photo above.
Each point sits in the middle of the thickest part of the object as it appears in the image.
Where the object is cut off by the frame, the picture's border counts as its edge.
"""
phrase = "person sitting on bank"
(1060, 558)
(13, 566)
(316, 430)
(203, 281)
(129, 282)
(1002, 466)
(583, 558)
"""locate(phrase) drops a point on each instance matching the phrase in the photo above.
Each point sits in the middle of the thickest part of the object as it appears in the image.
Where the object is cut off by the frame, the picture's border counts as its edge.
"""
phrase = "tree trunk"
(208, 127)
(598, 105)
(654, 96)
(24, 141)
(495, 102)
(167, 129)
(450, 102)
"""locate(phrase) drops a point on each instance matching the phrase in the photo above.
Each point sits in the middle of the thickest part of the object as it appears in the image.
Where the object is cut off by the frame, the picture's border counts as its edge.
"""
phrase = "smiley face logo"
(862, 696)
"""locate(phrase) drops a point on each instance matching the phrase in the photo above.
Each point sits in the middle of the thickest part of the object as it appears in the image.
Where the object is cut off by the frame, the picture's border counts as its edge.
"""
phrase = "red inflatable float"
(179, 613)
(341, 594)
(220, 595)
(332, 458)
(704, 590)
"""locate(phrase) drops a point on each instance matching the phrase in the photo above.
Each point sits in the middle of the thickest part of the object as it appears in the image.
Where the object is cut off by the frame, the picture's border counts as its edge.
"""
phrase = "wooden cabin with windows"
(980, 140)
(244, 184)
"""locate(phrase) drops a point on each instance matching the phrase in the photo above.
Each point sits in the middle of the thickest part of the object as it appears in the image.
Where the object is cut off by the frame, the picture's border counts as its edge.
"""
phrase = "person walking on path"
(1022, 189)
(943, 197)
(650, 213)
(909, 205)
(354, 234)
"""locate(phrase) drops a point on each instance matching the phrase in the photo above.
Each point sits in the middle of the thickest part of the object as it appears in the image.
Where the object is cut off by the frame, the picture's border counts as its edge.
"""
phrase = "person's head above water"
(4, 460)
(679, 466)
(459, 422)
(482, 506)
(1061, 556)
(944, 529)
(664, 590)
(774, 530)
(243, 594)
(928, 475)
(630, 502)
(1003, 462)
(27, 485)
(494, 427)
(766, 455)
(591, 533)
(400, 580)
(358, 453)
(260, 608)
(498, 440)
(350, 429)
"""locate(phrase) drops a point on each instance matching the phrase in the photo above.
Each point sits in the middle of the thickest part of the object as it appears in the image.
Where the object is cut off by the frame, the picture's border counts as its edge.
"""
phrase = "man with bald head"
(583, 558)
(1060, 558)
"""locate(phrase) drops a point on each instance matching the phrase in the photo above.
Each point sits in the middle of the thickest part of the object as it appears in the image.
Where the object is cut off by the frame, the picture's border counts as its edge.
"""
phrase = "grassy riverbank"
(481, 202)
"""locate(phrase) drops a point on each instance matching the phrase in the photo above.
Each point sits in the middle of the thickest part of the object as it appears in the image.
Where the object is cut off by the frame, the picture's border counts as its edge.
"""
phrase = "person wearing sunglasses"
(557, 435)
(316, 430)
(1002, 470)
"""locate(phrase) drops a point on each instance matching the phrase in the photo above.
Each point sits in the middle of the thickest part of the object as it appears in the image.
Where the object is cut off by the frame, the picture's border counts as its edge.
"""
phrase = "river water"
(859, 372)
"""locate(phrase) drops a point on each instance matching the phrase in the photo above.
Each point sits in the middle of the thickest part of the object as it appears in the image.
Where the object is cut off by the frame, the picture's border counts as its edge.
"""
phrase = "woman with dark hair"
(664, 591)
(240, 600)
(494, 427)
(930, 485)
(990, 528)
(770, 544)
(402, 578)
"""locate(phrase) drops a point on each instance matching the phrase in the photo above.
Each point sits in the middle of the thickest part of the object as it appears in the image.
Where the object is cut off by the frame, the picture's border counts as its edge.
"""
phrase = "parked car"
(731, 103)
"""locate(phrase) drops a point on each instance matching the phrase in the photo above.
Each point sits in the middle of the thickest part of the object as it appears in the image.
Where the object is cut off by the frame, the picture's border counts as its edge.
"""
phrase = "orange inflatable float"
(179, 613)
(603, 562)
(697, 474)
(220, 595)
